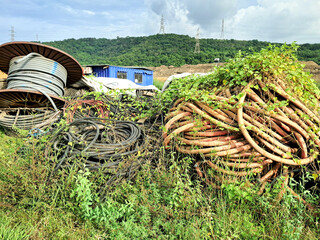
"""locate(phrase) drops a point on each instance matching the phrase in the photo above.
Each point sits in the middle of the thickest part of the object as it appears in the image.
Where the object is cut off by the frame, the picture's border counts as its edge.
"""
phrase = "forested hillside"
(164, 49)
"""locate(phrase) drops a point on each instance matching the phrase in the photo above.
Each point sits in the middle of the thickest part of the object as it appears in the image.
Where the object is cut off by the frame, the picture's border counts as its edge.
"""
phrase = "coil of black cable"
(104, 143)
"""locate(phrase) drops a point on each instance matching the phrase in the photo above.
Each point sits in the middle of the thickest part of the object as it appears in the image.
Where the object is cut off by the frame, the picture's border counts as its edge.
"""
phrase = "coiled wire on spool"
(26, 118)
(37, 73)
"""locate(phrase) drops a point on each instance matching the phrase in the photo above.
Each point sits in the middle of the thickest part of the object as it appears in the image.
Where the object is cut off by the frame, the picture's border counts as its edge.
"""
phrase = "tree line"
(165, 49)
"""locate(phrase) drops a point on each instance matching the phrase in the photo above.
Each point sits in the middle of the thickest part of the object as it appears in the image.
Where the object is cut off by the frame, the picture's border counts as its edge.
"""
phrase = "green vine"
(268, 65)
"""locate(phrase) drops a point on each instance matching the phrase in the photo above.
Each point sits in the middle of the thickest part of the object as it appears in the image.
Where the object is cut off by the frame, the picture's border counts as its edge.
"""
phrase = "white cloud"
(277, 21)
(269, 20)
(88, 12)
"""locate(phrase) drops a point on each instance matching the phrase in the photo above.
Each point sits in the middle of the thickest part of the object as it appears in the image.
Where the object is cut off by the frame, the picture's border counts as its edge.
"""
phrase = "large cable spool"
(36, 72)
(33, 93)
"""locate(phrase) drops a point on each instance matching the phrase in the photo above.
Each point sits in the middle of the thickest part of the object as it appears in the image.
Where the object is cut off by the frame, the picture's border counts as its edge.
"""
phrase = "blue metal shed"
(139, 75)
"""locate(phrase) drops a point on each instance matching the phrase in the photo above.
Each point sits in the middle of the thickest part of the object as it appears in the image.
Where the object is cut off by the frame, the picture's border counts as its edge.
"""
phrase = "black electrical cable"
(104, 143)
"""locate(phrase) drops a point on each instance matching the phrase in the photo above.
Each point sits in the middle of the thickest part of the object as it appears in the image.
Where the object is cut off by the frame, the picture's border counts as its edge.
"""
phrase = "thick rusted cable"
(226, 146)
(259, 127)
(295, 101)
(177, 131)
(185, 108)
(209, 133)
(246, 160)
(258, 148)
(263, 127)
(295, 118)
(252, 154)
(229, 152)
(204, 127)
(268, 138)
(179, 124)
(281, 119)
(217, 138)
(178, 101)
(233, 173)
(307, 120)
(264, 134)
(172, 114)
(215, 113)
(209, 141)
(272, 172)
(172, 120)
(281, 131)
(211, 119)
(302, 144)
(246, 165)
(206, 143)
(274, 148)
(270, 96)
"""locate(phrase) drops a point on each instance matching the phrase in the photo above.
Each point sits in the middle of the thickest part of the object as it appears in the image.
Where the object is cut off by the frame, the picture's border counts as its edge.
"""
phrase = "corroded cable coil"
(244, 137)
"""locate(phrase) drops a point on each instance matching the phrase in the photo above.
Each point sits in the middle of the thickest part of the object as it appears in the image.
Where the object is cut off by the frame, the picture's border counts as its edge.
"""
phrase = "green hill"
(164, 49)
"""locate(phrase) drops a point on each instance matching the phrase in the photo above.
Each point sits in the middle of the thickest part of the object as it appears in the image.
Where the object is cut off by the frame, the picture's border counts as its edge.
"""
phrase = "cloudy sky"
(265, 20)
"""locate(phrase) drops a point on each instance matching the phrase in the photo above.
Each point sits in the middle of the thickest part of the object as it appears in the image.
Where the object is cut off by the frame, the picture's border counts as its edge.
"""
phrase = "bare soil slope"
(163, 72)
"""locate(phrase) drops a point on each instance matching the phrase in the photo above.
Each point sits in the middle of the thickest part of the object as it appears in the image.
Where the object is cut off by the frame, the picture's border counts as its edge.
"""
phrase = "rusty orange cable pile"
(243, 136)
(86, 108)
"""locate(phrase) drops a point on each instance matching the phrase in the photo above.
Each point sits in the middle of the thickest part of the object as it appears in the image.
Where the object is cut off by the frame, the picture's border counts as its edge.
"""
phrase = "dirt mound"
(163, 72)
(313, 68)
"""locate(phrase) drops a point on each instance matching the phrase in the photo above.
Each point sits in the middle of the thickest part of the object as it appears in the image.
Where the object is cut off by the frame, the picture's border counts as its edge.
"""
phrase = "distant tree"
(164, 49)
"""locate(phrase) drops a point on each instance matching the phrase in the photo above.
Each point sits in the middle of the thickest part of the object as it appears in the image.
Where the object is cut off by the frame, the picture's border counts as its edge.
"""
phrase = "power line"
(222, 30)
(161, 25)
(12, 33)
(197, 47)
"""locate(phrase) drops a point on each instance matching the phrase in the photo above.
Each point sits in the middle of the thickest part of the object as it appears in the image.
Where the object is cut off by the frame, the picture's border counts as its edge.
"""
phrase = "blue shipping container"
(140, 76)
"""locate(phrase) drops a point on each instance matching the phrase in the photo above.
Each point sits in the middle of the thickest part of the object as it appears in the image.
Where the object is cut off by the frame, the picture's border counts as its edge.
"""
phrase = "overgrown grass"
(317, 84)
(166, 201)
(158, 84)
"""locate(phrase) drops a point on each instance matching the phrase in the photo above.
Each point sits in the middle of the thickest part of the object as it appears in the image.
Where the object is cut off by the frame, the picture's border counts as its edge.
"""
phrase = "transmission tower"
(12, 33)
(222, 30)
(197, 47)
(161, 25)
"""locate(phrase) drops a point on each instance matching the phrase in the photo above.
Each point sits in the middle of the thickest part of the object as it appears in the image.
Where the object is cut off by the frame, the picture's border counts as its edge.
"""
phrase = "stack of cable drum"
(262, 129)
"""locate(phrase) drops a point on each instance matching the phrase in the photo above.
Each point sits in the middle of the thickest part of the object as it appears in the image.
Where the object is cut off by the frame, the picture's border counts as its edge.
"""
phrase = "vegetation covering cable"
(255, 114)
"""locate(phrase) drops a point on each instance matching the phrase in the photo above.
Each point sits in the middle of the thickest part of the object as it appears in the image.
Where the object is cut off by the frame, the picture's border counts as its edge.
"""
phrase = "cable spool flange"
(30, 99)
